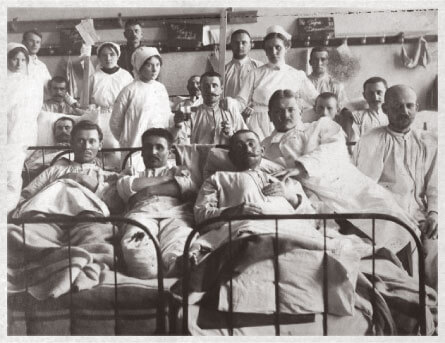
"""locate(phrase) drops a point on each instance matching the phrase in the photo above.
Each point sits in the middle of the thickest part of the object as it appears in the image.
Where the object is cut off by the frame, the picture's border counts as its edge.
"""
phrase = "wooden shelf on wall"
(118, 22)
(257, 44)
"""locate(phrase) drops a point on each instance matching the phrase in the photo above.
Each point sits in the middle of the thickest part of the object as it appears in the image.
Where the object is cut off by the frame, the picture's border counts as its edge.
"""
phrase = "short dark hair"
(15, 51)
(158, 132)
(34, 32)
(58, 79)
(278, 35)
(325, 96)
(63, 118)
(318, 49)
(86, 125)
(281, 94)
(193, 76)
(375, 79)
(239, 132)
(212, 73)
(239, 32)
(132, 22)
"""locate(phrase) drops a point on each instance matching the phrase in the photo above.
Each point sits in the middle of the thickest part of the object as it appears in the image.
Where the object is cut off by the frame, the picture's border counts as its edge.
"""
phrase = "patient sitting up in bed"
(79, 188)
(248, 190)
(158, 197)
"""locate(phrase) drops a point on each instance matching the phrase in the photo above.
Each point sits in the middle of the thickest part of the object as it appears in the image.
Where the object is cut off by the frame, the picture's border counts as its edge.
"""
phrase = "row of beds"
(122, 305)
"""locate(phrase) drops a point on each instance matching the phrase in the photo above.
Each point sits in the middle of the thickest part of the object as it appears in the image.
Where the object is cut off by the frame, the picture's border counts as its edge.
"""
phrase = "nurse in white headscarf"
(107, 81)
(105, 85)
(142, 104)
(262, 82)
(24, 101)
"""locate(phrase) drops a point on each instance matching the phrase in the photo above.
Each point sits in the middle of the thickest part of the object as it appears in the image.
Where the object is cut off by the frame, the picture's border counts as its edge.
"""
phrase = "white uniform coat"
(139, 106)
(261, 83)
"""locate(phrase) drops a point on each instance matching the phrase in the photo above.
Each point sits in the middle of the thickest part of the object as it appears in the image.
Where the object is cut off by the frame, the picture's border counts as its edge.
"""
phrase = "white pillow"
(218, 160)
(46, 120)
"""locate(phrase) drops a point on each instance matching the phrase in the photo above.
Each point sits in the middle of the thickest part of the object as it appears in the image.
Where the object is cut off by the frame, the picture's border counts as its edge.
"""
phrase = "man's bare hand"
(430, 226)
(247, 112)
(244, 208)
(275, 189)
(296, 173)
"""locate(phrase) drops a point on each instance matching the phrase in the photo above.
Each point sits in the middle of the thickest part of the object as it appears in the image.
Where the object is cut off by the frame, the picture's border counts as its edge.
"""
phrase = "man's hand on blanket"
(279, 189)
(430, 226)
(298, 172)
(244, 208)
(85, 180)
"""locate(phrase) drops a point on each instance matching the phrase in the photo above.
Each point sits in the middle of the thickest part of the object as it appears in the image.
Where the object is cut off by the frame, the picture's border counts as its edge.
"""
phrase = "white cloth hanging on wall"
(421, 56)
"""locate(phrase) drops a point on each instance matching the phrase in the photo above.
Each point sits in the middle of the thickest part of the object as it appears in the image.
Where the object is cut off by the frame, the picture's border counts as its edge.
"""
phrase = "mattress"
(93, 311)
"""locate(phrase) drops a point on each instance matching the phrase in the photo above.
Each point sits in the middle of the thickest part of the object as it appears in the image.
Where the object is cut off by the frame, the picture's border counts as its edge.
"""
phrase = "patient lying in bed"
(79, 188)
(158, 197)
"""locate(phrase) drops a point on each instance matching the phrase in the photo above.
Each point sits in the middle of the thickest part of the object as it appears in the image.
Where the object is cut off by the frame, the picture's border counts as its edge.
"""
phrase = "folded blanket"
(46, 272)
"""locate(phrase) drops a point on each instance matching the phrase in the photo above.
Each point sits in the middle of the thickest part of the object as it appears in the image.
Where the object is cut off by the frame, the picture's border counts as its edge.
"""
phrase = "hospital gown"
(327, 83)
(182, 136)
(259, 86)
(227, 189)
(333, 182)
(236, 71)
(206, 123)
(138, 107)
(366, 120)
(58, 107)
(168, 219)
(406, 165)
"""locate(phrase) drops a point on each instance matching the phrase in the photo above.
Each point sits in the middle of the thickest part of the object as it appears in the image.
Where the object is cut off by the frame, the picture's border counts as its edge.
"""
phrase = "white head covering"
(140, 55)
(114, 45)
(278, 29)
(12, 46)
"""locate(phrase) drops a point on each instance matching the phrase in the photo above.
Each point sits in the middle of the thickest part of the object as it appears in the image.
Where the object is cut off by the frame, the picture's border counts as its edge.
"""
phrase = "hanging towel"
(421, 55)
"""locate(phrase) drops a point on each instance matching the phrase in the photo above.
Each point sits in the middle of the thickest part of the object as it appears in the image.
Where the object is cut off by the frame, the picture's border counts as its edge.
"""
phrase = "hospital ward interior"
(203, 171)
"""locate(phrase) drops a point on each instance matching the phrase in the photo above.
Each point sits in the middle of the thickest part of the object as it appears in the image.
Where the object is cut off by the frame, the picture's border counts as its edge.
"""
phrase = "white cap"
(114, 45)
(141, 54)
(278, 29)
(12, 46)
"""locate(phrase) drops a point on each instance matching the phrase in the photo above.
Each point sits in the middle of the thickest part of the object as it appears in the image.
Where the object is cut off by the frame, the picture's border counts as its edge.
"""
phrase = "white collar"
(277, 66)
(241, 61)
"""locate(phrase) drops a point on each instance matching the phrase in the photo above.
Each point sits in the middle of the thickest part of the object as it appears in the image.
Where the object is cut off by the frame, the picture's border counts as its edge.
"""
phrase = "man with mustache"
(133, 35)
(160, 198)
(316, 155)
(404, 161)
(62, 135)
(61, 101)
(213, 123)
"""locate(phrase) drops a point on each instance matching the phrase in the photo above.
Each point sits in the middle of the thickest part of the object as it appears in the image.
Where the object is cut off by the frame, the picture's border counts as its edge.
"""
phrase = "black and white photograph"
(221, 168)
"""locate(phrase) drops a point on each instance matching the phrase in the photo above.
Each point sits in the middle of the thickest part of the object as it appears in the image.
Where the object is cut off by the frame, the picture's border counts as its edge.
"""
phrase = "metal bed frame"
(161, 303)
(276, 218)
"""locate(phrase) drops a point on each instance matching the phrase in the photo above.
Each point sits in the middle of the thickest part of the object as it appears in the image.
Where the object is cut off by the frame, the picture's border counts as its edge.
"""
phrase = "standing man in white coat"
(36, 69)
(241, 64)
